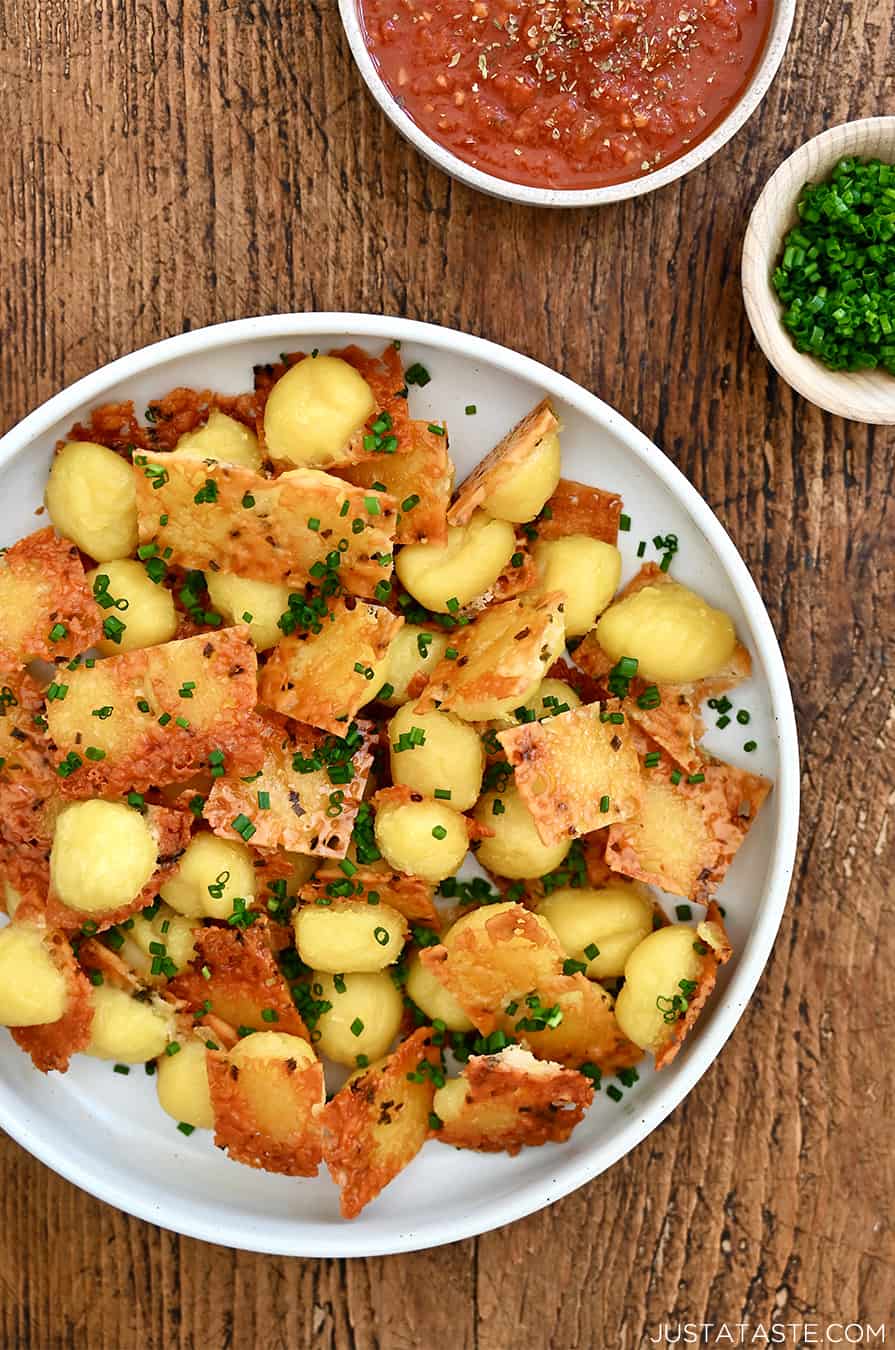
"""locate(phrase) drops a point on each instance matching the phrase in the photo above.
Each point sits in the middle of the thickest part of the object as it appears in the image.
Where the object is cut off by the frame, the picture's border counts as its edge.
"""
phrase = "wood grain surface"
(166, 165)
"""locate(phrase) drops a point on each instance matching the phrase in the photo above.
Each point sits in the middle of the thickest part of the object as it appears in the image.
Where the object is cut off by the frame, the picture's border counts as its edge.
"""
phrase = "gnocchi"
(599, 928)
(661, 975)
(349, 936)
(514, 848)
(259, 604)
(447, 577)
(144, 611)
(412, 657)
(586, 570)
(314, 410)
(181, 1082)
(92, 499)
(421, 837)
(213, 873)
(437, 755)
(102, 856)
(128, 1028)
(363, 1017)
(32, 988)
(221, 438)
(675, 636)
(525, 491)
(431, 997)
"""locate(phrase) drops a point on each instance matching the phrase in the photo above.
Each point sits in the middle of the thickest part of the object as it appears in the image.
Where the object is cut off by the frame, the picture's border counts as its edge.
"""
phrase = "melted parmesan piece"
(47, 606)
(280, 529)
(265, 1108)
(236, 978)
(578, 508)
(30, 799)
(294, 784)
(419, 478)
(324, 678)
(129, 710)
(500, 465)
(501, 657)
(52, 1046)
(576, 772)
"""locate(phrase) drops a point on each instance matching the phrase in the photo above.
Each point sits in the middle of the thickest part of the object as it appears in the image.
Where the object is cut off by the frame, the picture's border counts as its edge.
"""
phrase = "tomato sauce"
(566, 93)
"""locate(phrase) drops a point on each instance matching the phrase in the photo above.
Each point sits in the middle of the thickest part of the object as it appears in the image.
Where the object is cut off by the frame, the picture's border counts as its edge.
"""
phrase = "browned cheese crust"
(378, 1122)
(686, 835)
(491, 968)
(502, 463)
(173, 415)
(42, 586)
(717, 951)
(52, 1046)
(141, 747)
(410, 896)
(514, 1100)
(425, 471)
(242, 981)
(30, 796)
(568, 765)
(257, 526)
(265, 1112)
(301, 815)
(578, 508)
(314, 677)
(501, 654)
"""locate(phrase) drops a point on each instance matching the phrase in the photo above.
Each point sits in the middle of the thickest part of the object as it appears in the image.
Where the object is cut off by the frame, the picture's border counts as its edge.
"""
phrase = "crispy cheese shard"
(576, 772)
(225, 516)
(52, 1046)
(501, 464)
(324, 678)
(30, 798)
(377, 883)
(686, 834)
(420, 479)
(130, 712)
(266, 1111)
(515, 579)
(235, 978)
(717, 951)
(494, 970)
(578, 508)
(307, 795)
(379, 1121)
(47, 607)
(504, 1102)
(501, 657)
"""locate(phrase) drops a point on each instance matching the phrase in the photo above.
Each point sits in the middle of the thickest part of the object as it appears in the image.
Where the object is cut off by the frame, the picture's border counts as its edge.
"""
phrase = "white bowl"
(106, 1132)
(765, 70)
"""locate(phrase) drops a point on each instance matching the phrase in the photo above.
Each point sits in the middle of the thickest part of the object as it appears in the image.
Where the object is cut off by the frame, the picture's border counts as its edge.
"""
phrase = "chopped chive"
(624, 522)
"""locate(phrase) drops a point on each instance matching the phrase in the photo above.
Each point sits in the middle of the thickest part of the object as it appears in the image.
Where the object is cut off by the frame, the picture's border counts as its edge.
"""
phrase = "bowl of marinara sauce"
(567, 102)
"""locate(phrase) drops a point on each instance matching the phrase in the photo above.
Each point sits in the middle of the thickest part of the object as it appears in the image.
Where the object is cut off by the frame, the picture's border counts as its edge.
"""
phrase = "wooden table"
(165, 166)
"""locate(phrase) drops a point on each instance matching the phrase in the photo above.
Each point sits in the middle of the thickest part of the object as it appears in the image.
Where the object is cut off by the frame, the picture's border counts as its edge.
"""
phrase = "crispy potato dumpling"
(445, 576)
(32, 988)
(516, 849)
(422, 838)
(221, 438)
(364, 1018)
(450, 759)
(660, 975)
(313, 411)
(260, 604)
(182, 1084)
(149, 617)
(128, 1028)
(675, 636)
(526, 490)
(586, 570)
(349, 935)
(103, 854)
(433, 999)
(91, 496)
(175, 932)
(611, 922)
(409, 657)
(213, 873)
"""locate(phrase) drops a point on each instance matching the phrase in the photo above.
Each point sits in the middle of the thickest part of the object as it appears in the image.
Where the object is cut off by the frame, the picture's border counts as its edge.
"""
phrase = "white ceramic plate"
(106, 1133)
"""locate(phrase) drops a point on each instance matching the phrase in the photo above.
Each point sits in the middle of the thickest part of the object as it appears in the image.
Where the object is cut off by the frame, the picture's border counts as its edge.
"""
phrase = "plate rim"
(354, 1239)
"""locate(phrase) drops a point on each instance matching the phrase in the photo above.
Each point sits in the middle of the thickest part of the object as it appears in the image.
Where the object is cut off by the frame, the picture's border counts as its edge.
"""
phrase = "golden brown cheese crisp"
(47, 607)
(576, 772)
(514, 579)
(30, 797)
(502, 654)
(674, 723)
(501, 464)
(325, 678)
(514, 1100)
(411, 896)
(379, 1121)
(235, 978)
(578, 508)
(52, 1046)
(686, 834)
(229, 518)
(129, 710)
(302, 812)
(265, 1112)
(420, 479)
(169, 417)
(491, 970)
(717, 951)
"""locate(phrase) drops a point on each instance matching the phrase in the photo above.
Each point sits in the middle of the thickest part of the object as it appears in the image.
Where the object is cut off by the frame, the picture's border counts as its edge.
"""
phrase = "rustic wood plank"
(170, 165)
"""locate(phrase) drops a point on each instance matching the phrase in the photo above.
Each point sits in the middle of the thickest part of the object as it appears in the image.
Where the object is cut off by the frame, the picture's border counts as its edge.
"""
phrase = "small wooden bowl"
(862, 396)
